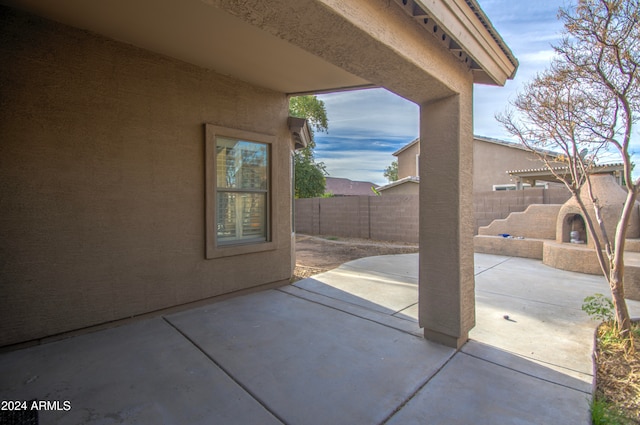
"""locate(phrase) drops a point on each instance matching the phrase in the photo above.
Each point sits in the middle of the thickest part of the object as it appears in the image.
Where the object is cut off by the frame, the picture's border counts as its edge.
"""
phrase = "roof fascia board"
(405, 147)
(464, 26)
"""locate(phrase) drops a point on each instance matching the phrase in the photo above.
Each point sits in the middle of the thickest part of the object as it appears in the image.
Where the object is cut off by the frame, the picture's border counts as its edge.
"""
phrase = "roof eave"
(492, 61)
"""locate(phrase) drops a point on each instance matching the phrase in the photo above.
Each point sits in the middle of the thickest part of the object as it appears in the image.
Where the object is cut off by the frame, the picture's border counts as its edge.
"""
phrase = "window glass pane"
(253, 215)
(241, 217)
(241, 164)
(226, 216)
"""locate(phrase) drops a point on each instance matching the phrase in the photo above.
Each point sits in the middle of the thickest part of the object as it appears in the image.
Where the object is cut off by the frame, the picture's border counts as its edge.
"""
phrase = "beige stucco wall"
(102, 180)
(493, 160)
(406, 188)
(118, 229)
(407, 164)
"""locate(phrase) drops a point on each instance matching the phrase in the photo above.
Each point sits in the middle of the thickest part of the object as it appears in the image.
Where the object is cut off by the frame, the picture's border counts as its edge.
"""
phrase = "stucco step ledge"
(513, 247)
(582, 259)
(632, 245)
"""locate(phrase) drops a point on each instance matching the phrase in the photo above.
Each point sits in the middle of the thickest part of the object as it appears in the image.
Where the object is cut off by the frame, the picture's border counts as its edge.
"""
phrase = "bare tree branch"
(585, 106)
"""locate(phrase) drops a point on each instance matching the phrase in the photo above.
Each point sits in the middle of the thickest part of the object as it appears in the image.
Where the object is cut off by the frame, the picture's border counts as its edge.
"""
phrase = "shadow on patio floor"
(342, 348)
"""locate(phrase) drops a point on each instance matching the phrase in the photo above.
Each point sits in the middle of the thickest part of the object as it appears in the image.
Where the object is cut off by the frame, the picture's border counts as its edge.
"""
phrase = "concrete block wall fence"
(395, 217)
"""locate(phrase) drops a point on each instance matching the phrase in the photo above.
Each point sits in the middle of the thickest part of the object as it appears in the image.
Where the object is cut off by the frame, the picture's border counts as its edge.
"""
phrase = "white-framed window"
(499, 187)
(238, 191)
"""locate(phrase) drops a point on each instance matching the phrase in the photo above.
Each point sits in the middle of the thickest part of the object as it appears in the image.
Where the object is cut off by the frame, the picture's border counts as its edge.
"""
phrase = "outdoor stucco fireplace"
(579, 255)
(611, 197)
(559, 236)
(574, 229)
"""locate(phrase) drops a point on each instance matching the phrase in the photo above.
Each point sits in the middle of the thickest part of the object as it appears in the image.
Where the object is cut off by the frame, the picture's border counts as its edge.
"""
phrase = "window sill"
(240, 249)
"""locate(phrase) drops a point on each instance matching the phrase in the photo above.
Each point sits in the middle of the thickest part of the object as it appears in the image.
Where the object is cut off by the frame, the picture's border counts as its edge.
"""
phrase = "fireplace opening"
(576, 230)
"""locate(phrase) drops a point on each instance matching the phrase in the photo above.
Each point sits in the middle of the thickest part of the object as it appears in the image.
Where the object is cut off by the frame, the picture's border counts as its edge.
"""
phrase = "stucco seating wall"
(513, 247)
(582, 259)
(528, 230)
(571, 257)
(632, 245)
(538, 221)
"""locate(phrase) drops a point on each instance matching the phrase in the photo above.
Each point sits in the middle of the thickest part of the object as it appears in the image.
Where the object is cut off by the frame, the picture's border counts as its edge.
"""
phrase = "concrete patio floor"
(342, 347)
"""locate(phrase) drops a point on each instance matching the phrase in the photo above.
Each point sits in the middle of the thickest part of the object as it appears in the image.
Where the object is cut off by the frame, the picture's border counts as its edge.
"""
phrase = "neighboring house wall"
(493, 205)
(403, 188)
(103, 180)
(395, 217)
(407, 163)
(492, 160)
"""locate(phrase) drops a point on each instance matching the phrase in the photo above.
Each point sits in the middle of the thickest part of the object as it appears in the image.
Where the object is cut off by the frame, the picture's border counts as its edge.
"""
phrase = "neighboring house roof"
(405, 147)
(485, 139)
(506, 143)
(409, 179)
(514, 145)
(345, 187)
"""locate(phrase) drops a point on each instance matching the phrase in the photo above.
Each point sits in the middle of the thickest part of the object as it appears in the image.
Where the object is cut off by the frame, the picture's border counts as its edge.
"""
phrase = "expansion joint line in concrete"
(350, 313)
(228, 373)
(515, 297)
(528, 374)
(424, 384)
(494, 266)
(403, 309)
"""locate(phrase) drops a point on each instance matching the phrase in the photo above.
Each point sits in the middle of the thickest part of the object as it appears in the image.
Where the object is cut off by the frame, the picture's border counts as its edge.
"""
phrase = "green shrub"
(598, 307)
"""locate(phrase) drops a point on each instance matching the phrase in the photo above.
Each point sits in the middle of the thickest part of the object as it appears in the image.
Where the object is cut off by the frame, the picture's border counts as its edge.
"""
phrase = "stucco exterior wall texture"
(495, 205)
(537, 221)
(535, 224)
(611, 197)
(407, 164)
(102, 180)
(494, 160)
(407, 188)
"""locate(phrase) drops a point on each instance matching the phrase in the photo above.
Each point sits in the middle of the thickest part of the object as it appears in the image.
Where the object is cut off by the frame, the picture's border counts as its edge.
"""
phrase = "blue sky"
(367, 126)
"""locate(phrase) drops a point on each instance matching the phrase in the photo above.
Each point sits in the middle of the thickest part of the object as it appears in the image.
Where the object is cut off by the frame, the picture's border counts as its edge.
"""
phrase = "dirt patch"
(317, 254)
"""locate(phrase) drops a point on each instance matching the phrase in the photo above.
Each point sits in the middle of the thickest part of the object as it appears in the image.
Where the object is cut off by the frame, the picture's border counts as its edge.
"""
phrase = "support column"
(446, 286)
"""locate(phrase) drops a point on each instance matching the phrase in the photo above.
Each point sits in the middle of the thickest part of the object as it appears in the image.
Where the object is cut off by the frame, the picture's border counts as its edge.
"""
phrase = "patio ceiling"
(206, 36)
(200, 32)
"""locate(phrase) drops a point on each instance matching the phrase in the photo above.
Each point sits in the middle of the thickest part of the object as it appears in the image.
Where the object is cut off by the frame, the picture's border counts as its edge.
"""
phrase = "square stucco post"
(446, 286)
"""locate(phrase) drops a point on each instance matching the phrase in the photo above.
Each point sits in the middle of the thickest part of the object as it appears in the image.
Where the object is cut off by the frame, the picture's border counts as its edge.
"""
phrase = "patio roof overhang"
(257, 41)
(532, 175)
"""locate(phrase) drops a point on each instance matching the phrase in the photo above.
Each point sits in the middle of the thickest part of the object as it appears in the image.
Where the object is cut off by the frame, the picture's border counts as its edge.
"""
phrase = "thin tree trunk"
(616, 276)
(616, 279)
(604, 265)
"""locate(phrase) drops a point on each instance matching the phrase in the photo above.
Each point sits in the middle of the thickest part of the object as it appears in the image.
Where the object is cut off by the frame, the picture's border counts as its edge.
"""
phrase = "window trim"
(213, 249)
(513, 186)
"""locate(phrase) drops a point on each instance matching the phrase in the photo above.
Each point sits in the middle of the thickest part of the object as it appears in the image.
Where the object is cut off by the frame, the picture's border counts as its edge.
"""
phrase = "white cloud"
(373, 110)
(382, 122)
(358, 165)
(541, 57)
